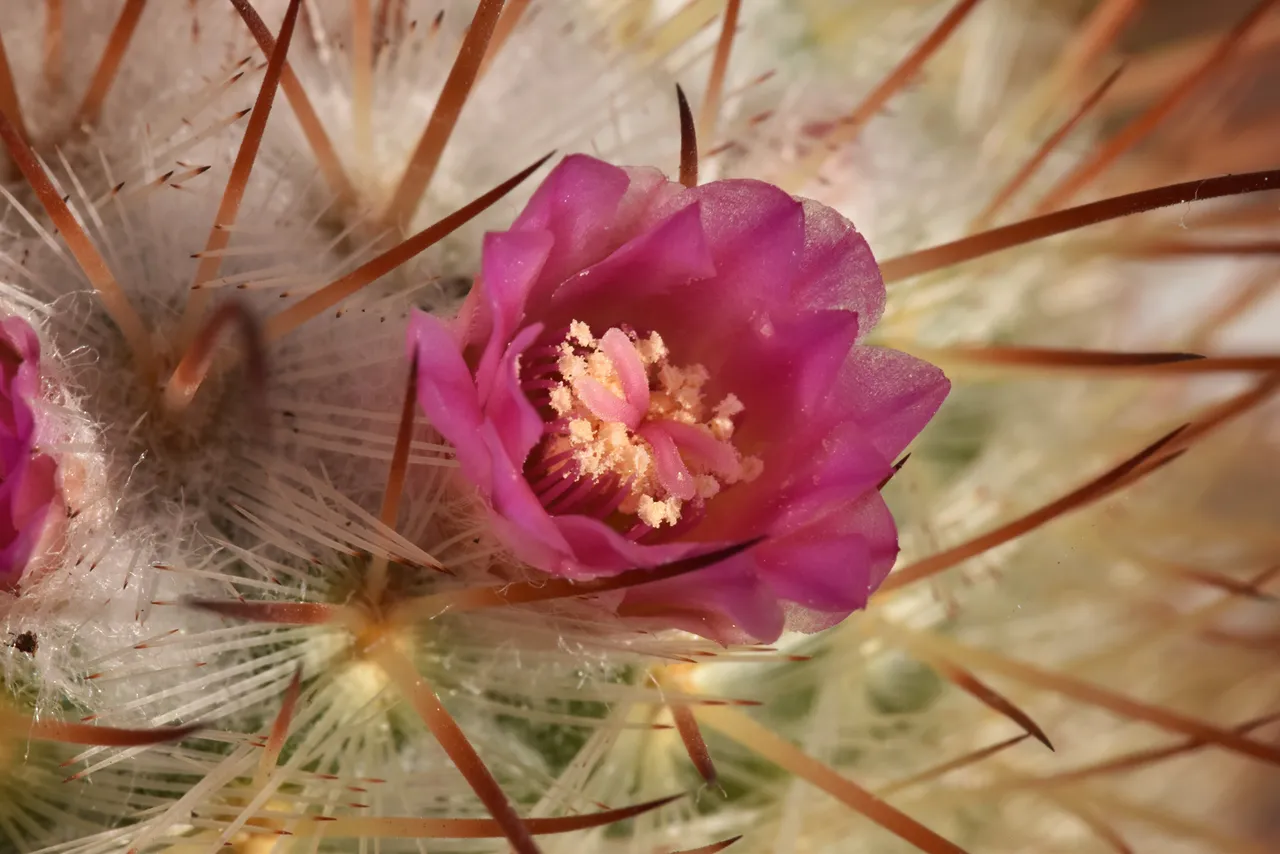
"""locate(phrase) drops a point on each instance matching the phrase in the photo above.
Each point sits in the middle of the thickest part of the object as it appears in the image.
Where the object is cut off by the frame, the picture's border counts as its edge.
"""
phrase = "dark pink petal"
(845, 468)
(833, 564)
(783, 380)
(824, 573)
(30, 495)
(783, 371)
(19, 335)
(833, 474)
(20, 364)
(37, 489)
(590, 208)
(727, 602)
(648, 267)
(837, 269)
(891, 394)
(578, 204)
(447, 395)
(672, 473)
(879, 400)
(28, 499)
(510, 265)
(756, 235)
(517, 423)
(15, 557)
(521, 522)
(598, 550)
(646, 203)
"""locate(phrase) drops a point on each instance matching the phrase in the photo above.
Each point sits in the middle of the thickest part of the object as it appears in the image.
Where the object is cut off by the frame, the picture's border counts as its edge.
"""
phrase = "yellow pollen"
(654, 513)
(580, 333)
(604, 447)
(561, 400)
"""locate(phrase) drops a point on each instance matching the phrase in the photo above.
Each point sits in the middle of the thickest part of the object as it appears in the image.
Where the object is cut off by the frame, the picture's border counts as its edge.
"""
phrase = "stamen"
(559, 426)
(626, 412)
(586, 489)
(638, 530)
(690, 515)
(550, 462)
(569, 471)
(622, 490)
(566, 482)
(547, 352)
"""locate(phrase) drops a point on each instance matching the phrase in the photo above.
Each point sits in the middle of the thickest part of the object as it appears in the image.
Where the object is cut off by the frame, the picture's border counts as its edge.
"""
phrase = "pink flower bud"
(30, 498)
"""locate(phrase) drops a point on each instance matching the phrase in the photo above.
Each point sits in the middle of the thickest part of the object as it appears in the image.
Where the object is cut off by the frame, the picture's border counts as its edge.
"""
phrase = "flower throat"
(628, 436)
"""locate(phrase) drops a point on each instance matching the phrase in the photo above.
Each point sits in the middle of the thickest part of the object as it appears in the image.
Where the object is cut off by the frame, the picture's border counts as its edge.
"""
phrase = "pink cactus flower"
(29, 493)
(645, 372)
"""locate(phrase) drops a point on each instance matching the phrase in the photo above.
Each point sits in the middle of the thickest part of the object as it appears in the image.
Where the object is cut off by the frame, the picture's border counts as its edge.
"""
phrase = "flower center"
(627, 432)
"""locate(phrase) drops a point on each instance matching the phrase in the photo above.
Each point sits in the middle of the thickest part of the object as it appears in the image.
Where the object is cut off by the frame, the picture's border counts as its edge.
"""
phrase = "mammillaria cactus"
(378, 480)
